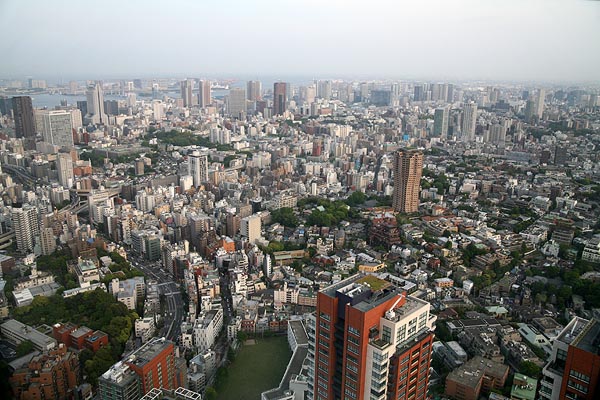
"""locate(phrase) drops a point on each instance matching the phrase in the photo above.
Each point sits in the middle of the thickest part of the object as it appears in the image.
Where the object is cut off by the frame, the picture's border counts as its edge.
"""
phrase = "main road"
(169, 290)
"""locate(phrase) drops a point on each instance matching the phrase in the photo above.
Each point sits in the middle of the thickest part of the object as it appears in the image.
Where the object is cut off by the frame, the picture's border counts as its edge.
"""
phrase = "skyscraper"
(23, 114)
(279, 97)
(469, 122)
(57, 127)
(95, 104)
(236, 102)
(539, 103)
(371, 341)
(408, 167)
(187, 88)
(254, 89)
(64, 167)
(440, 122)
(204, 94)
(324, 89)
(26, 226)
(198, 167)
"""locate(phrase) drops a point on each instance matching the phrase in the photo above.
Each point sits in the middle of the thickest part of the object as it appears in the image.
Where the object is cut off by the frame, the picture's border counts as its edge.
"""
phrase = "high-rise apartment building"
(254, 90)
(539, 103)
(154, 364)
(236, 102)
(23, 115)
(408, 167)
(440, 122)
(324, 89)
(371, 341)
(469, 122)
(26, 225)
(573, 370)
(198, 167)
(57, 127)
(64, 167)
(280, 97)
(95, 104)
(204, 93)
(187, 88)
(250, 227)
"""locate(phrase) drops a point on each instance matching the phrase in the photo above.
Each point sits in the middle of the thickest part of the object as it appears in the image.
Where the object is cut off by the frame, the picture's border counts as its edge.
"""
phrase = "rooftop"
(147, 352)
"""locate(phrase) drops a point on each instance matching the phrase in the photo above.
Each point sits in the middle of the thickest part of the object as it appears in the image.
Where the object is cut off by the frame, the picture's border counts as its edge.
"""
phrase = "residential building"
(573, 369)
(187, 88)
(204, 93)
(51, 375)
(64, 167)
(469, 122)
(372, 341)
(254, 90)
(154, 364)
(198, 167)
(408, 167)
(476, 376)
(23, 116)
(120, 382)
(26, 226)
(280, 97)
(250, 227)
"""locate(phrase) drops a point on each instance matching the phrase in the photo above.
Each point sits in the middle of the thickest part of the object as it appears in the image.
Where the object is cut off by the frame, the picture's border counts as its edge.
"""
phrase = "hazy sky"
(553, 40)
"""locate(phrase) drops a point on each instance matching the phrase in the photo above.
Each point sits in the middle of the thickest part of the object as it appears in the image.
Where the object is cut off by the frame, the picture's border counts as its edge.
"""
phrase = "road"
(174, 306)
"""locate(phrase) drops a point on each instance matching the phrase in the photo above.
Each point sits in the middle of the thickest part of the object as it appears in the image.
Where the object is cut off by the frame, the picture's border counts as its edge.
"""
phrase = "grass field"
(256, 368)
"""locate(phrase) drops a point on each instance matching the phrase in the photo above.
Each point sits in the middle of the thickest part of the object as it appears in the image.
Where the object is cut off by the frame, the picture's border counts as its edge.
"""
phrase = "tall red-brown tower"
(372, 341)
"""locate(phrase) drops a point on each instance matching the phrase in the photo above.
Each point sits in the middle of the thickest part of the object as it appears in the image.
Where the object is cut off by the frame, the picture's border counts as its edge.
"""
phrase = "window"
(324, 316)
(353, 340)
(353, 330)
(353, 349)
(351, 358)
(580, 376)
(577, 386)
(387, 334)
(401, 333)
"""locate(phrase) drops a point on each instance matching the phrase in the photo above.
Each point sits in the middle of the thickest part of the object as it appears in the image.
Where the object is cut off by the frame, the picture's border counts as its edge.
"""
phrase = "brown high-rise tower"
(279, 97)
(408, 167)
(23, 113)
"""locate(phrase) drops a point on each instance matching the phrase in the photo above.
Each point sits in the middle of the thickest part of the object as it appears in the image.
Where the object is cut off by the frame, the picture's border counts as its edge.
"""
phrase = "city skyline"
(518, 41)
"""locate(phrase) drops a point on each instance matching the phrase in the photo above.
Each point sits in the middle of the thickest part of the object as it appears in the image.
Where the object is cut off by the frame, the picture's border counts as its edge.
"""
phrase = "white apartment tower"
(469, 122)
(251, 227)
(198, 167)
(26, 226)
(64, 167)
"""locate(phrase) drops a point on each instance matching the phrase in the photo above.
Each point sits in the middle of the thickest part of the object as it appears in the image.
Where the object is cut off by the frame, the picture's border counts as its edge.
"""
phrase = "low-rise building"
(17, 332)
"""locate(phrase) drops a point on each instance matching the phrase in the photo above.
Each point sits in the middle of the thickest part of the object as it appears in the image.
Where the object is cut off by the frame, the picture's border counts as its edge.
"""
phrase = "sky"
(501, 40)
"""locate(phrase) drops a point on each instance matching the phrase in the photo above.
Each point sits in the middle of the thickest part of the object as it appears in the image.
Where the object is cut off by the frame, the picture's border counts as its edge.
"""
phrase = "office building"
(64, 167)
(26, 226)
(280, 97)
(372, 341)
(198, 167)
(254, 90)
(47, 241)
(469, 122)
(440, 122)
(16, 333)
(187, 88)
(95, 104)
(250, 227)
(236, 102)
(204, 93)
(408, 167)
(573, 370)
(23, 116)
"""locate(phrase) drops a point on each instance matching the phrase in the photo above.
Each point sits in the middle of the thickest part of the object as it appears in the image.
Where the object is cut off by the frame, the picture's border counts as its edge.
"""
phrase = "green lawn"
(257, 368)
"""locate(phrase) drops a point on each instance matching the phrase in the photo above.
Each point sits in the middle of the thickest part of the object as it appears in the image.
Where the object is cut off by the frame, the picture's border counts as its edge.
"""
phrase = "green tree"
(210, 393)
(24, 348)
(530, 369)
